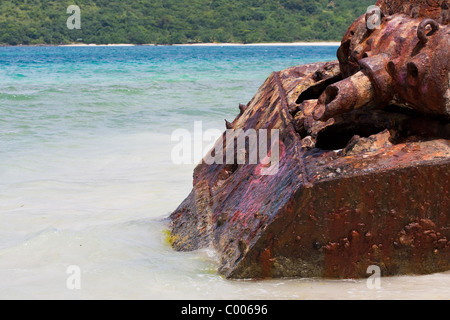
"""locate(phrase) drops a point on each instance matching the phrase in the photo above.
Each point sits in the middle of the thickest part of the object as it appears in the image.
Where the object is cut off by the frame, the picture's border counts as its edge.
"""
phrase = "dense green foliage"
(177, 21)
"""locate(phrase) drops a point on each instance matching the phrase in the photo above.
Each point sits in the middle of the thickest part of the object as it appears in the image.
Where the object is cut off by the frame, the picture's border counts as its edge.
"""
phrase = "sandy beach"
(211, 44)
(266, 44)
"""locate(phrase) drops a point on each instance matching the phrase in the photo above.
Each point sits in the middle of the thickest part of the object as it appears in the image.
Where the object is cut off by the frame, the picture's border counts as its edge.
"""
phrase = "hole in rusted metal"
(318, 76)
(418, 127)
(338, 136)
(403, 123)
(315, 91)
(331, 94)
(412, 70)
(391, 68)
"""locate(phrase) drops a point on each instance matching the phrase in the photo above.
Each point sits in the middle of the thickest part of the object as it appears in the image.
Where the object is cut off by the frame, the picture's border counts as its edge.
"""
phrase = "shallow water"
(87, 178)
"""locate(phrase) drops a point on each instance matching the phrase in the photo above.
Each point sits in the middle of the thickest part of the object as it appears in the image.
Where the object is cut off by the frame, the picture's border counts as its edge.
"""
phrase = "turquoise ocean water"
(87, 177)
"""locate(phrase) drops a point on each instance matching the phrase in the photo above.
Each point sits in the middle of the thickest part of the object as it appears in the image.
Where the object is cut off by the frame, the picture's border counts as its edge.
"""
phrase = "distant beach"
(266, 44)
(324, 43)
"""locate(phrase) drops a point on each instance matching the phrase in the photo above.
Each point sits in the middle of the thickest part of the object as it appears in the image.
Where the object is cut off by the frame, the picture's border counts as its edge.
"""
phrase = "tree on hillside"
(177, 21)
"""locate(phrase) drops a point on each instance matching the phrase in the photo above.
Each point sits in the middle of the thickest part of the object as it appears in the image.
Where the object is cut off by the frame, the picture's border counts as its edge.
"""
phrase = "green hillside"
(177, 21)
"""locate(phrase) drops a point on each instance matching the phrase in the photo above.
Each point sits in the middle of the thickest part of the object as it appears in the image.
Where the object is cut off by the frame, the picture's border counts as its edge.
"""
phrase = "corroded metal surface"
(406, 62)
(433, 9)
(364, 162)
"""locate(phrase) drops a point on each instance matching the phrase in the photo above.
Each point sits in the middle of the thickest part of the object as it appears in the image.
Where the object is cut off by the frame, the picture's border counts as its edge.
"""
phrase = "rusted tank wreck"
(364, 161)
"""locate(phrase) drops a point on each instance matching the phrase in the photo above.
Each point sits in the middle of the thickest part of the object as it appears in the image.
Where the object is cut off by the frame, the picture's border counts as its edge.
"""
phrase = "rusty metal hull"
(364, 165)
(326, 213)
(397, 220)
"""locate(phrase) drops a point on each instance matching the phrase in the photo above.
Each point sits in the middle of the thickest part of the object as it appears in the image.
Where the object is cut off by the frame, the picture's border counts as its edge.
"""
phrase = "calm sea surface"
(86, 175)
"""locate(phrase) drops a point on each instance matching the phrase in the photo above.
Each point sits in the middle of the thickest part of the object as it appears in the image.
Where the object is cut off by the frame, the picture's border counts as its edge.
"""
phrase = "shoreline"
(268, 44)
